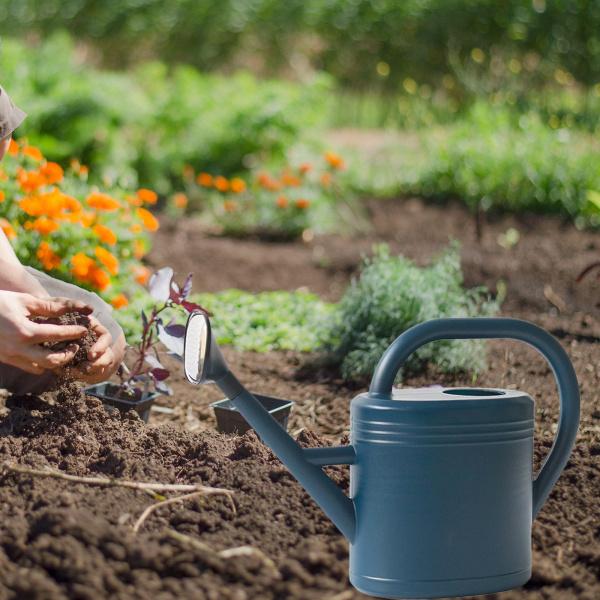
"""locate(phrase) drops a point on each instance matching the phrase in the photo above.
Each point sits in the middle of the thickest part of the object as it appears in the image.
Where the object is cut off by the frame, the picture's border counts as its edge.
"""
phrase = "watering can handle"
(497, 328)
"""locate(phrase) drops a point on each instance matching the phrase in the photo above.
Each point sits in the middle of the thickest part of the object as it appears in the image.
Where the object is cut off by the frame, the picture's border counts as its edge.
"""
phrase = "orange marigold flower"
(109, 260)
(134, 200)
(82, 266)
(52, 172)
(13, 147)
(83, 171)
(103, 202)
(180, 200)
(230, 206)
(98, 278)
(119, 301)
(205, 179)
(142, 274)
(221, 183)
(2, 196)
(304, 168)
(282, 202)
(149, 221)
(86, 218)
(106, 234)
(302, 203)
(290, 180)
(334, 160)
(33, 152)
(267, 182)
(136, 228)
(9, 232)
(42, 225)
(238, 185)
(49, 259)
(29, 181)
(147, 196)
(326, 180)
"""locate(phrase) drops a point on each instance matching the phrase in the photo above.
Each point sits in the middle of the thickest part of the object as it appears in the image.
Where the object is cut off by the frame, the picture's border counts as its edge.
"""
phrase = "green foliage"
(421, 39)
(142, 127)
(492, 160)
(257, 322)
(393, 294)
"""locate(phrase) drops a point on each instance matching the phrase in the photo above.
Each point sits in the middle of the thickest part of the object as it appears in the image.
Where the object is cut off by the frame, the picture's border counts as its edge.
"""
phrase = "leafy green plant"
(493, 159)
(393, 294)
(144, 126)
(256, 322)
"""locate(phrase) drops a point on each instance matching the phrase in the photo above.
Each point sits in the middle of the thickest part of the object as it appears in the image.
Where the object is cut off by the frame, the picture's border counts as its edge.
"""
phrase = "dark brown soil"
(84, 344)
(66, 540)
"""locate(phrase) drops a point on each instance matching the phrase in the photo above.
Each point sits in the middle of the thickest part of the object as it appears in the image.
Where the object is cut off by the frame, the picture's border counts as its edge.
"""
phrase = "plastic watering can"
(442, 493)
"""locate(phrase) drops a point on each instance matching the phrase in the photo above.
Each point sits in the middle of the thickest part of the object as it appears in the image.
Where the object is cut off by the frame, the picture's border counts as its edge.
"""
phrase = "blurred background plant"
(296, 200)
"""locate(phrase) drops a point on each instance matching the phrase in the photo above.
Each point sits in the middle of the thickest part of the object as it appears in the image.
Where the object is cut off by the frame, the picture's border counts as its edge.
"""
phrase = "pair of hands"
(20, 337)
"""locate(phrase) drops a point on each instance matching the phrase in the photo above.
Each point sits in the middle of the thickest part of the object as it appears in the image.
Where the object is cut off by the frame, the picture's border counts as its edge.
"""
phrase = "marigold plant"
(285, 204)
(57, 223)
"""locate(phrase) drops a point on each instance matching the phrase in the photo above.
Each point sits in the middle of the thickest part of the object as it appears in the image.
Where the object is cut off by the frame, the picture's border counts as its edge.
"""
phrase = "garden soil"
(63, 539)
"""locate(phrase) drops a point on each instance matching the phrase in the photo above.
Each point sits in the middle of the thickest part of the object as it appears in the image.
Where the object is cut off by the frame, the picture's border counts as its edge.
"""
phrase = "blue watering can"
(442, 494)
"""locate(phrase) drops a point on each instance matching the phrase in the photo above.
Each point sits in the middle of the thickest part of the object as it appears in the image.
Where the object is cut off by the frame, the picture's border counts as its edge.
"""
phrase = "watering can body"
(442, 488)
(442, 494)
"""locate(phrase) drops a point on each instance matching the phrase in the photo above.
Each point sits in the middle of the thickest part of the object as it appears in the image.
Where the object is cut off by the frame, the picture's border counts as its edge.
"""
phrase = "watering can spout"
(203, 363)
(304, 464)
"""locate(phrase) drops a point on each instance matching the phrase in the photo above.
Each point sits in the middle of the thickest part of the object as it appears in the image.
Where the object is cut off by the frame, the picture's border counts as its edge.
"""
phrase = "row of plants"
(59, 223)
(494, 159)
(390, 295)
(142, 127)
(286, 202)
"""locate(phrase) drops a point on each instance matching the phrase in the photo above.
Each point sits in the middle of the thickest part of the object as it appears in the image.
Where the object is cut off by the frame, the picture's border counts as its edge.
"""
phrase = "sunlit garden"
(315, 179)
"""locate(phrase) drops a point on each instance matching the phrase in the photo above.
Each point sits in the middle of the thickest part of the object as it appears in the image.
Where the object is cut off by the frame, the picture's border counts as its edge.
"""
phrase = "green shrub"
(143, 127)
(393, 294)
(491, 161)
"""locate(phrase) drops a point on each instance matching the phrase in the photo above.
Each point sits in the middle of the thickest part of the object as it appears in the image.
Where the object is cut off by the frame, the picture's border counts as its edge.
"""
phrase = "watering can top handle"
(497, 328)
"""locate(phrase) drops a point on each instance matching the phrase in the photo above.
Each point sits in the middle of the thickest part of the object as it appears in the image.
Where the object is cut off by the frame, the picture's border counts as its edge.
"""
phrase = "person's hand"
(20, 337)
(104, 357)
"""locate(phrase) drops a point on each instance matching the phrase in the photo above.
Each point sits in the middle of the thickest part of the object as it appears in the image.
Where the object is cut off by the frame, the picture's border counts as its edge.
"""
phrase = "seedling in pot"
(145, 379)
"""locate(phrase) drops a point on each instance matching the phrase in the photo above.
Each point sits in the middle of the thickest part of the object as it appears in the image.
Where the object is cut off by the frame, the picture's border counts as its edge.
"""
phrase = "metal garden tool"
(442, 493)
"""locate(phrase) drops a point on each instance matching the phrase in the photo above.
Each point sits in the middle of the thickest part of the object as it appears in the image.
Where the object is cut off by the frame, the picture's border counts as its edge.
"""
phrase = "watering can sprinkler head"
(202, 358)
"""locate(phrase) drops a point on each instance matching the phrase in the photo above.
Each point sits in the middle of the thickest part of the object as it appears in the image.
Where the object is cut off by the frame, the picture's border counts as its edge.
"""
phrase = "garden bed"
(66, 539)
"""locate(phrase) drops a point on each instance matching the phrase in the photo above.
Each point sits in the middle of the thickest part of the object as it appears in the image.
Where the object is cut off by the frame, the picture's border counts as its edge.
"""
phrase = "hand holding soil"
(101, 355)
(21, 336)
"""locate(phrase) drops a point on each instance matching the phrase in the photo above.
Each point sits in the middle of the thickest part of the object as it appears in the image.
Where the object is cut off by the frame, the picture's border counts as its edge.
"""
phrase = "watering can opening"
(479, 392)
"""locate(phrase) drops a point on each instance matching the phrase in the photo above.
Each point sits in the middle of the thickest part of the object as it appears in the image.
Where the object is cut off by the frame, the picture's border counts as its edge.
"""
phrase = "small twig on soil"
(228, 553)
(106, 481)
(150, 509)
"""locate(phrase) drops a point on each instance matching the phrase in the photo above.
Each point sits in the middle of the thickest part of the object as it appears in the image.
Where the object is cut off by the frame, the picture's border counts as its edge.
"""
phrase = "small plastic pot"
(107, 393)
(229, 420)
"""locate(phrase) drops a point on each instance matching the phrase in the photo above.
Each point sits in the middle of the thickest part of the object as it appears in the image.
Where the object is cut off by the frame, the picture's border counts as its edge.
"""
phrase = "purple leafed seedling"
(147, 370)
